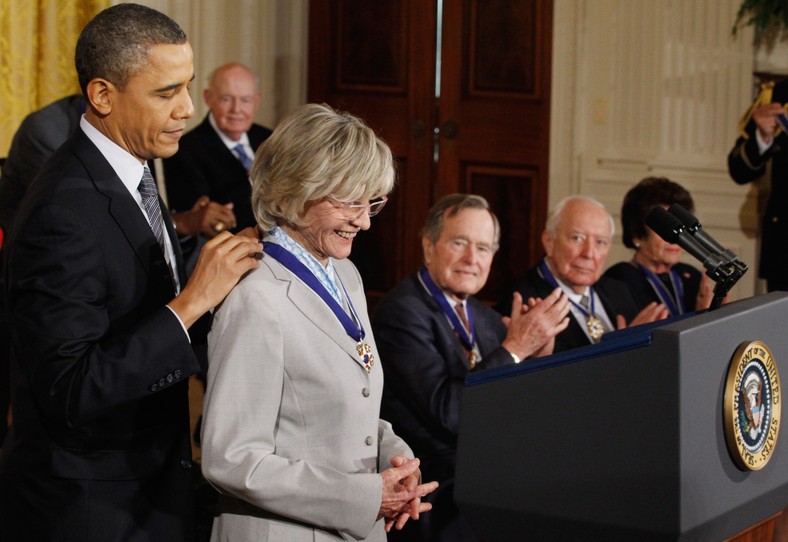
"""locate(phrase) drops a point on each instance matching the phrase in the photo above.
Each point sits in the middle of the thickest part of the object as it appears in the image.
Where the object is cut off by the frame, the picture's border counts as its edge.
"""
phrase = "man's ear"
(427, 247)
(99, 96)
(547, 243)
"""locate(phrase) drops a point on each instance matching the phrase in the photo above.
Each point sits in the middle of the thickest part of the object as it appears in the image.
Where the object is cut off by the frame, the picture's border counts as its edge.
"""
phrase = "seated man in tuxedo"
(214, 158)
(431, 331)
(576, 240)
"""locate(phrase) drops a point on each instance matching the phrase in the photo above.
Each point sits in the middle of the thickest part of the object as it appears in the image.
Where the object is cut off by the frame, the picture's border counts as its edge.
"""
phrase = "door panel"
(495, 87)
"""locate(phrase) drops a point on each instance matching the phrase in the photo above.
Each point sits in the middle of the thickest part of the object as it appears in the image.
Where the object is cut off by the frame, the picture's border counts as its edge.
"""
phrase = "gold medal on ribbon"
(366, 355)
(595, 327)
(472, 357)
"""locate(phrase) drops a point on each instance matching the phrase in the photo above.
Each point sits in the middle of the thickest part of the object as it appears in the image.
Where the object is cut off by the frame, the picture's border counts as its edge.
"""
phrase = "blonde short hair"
(316, 152)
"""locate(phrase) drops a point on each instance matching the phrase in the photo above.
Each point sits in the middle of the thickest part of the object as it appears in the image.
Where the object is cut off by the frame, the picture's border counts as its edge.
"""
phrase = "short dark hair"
(114, 45)
(449, 206)
(643, 197)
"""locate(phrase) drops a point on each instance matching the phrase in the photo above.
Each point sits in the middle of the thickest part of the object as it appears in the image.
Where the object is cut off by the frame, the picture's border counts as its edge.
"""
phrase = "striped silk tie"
(150, 200)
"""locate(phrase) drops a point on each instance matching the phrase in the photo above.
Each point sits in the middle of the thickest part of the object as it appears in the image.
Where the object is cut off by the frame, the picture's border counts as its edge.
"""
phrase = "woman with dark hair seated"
(655, 272)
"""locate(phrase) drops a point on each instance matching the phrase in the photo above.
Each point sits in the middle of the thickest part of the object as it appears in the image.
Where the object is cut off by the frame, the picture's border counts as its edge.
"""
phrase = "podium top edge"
(622, 340)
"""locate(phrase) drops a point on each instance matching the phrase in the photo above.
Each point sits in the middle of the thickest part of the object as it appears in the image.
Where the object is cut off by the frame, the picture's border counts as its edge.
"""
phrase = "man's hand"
(206, 218)
(651, 313)
(222, 262)
(402, 493)
(765, 118)
(533, 326)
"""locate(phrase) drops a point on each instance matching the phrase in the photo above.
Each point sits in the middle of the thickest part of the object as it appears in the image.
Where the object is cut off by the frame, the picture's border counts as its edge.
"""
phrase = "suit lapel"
(176, 245)
(216, 147)
(122, 207)
(573, 336)
(486, 337)
(314, 309)
(460, 358)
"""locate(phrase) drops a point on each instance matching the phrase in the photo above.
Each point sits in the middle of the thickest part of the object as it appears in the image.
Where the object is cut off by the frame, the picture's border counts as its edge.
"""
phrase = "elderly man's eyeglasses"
(356, 210)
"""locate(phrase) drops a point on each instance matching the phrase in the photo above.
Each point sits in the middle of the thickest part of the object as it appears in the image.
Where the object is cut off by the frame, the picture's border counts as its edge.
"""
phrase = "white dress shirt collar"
(229, 142)
(126, 166)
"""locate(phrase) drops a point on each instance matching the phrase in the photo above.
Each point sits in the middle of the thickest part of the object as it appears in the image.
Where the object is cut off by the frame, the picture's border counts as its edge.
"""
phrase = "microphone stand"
(727, 275)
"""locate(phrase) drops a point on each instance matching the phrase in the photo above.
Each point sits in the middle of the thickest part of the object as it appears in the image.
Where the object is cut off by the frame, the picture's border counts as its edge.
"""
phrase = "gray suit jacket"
(291, 429)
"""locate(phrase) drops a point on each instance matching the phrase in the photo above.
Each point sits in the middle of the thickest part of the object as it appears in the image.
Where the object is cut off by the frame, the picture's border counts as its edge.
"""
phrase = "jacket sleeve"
(745, 163)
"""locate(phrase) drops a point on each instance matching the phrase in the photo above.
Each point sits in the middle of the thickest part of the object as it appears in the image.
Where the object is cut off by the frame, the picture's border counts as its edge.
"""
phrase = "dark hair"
(114, 45)
(643, 197)
(449, 206)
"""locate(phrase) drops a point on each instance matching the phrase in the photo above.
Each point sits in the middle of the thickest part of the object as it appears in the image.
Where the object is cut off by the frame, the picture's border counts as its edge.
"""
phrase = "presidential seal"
(752, 406)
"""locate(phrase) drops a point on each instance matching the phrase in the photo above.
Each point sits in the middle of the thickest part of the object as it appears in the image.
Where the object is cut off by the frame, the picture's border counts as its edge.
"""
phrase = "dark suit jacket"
(614, 294)
(99, 449)
(424, 365)
(204, 166)
(641, 289)
(39, 135)
(746, 165)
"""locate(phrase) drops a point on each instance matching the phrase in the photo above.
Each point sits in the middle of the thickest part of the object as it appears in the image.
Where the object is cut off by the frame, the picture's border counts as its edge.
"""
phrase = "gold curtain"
(37, 40)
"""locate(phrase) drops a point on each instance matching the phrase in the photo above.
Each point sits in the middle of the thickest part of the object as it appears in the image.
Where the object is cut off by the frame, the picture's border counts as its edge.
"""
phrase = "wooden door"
(486, 132)
(376, 60)
(494, 120)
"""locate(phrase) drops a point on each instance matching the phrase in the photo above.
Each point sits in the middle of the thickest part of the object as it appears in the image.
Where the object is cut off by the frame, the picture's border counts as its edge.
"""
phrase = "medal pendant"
(366, 355)
(472, 358)
(595, 327)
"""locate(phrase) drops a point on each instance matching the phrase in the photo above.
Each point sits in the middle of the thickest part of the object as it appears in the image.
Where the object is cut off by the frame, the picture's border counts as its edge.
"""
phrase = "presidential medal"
(472, 358)
(366, 355)
(595, 327)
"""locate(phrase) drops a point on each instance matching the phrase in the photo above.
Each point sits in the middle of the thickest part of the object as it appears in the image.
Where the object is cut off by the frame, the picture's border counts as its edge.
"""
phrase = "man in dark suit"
(766, 143)
(576, 240)
(99, 306)
(40, 133)
(214, 159)
(431, 331)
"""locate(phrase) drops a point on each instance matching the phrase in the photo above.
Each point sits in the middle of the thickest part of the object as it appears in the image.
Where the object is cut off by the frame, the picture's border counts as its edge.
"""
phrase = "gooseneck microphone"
(692, 225)
(681, 228)
(673, 231)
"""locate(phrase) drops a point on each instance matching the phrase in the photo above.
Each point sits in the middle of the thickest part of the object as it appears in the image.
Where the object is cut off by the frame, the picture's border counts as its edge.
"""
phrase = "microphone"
(673, 231)
(721, 265)
(692, 225)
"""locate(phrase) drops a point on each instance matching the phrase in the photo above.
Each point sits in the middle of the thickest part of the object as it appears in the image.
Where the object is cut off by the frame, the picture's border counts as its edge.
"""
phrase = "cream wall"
(654, 87)
(267, 35)
(640, 87)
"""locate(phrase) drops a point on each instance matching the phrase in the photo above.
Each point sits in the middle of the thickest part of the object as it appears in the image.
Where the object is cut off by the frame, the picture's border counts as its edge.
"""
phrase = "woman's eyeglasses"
(356, 210)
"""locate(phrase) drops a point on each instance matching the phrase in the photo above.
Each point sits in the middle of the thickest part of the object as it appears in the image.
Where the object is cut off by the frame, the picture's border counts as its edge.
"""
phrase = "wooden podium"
(623, 440)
